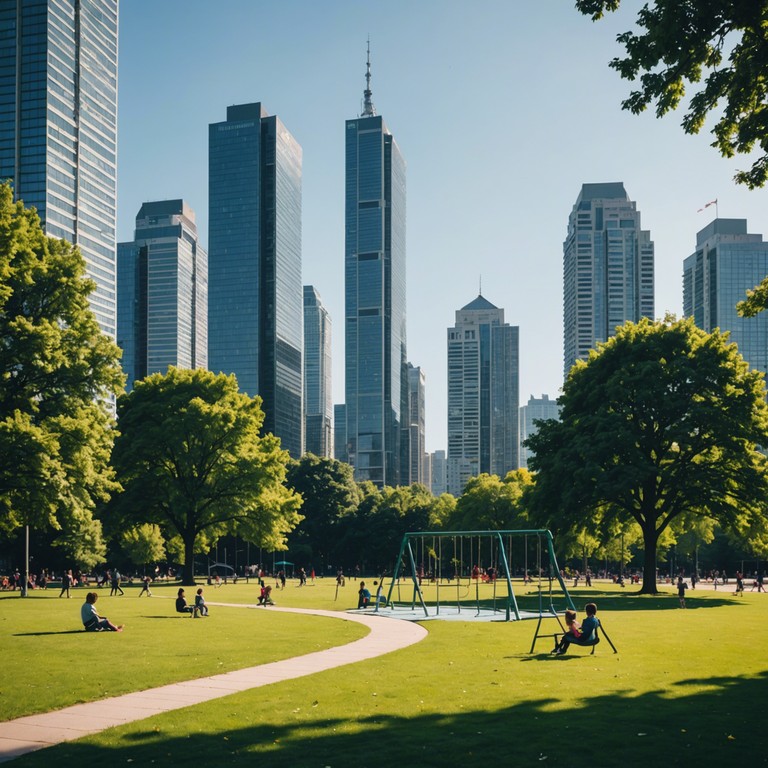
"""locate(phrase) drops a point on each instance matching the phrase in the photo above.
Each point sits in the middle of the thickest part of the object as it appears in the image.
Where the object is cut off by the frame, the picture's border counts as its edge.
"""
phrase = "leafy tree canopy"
(330, 493)
(661, 422)
(490, 503)
(57, 373)
(191, 460)
(719, 43)
(144, 543)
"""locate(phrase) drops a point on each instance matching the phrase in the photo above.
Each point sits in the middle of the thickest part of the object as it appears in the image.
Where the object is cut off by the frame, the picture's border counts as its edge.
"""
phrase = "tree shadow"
(696, 722)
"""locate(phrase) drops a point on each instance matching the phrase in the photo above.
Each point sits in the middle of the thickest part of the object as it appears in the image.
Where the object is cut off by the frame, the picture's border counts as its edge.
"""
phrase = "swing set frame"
(510, 608)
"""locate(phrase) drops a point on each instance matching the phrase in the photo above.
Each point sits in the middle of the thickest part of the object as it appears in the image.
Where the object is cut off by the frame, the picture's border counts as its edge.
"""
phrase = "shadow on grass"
(694, 723)
(40, 634)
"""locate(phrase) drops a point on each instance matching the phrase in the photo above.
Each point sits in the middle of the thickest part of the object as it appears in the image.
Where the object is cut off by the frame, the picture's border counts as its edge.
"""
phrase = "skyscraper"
(536, 409)
(483, 392)
(255, 300)
(162, 299)
(727, 262)
(439, 473)
(414, 432)
(318, 400)
(58, 126)
(607, 269)
(375, 348)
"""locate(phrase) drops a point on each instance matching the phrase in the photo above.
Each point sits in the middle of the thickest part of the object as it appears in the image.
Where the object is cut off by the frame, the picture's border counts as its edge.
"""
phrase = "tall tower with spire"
(374, 322)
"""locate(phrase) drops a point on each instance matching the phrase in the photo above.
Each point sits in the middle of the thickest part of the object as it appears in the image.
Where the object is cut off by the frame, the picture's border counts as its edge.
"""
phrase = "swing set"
(496, 561)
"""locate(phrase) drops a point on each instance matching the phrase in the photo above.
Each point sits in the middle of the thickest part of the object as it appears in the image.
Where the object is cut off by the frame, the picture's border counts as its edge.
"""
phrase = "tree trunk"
(649, 563)
(188, 571)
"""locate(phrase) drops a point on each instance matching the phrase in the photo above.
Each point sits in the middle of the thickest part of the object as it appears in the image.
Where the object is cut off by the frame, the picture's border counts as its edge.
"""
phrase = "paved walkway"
(27, 734)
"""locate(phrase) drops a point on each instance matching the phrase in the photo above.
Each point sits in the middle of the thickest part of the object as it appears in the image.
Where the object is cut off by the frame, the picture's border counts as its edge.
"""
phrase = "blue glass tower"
(58, 126)
(318, 401)
(375, 342)
(728, 261)
(255, 309)
(162, 303)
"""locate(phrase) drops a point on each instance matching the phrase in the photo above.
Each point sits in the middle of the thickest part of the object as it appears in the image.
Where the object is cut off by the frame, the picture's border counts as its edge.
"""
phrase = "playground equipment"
(496, 560)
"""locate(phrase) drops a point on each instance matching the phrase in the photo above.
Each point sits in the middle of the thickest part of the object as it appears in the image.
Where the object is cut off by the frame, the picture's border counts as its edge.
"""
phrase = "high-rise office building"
(483, 392)
(727, 262)
(439, 476)
(414, 433)
(536, 409)
(607, 269)
(255, 296)
(375, 343)
(162, 293)
(58, 126)
(318, 397)
(340, 432)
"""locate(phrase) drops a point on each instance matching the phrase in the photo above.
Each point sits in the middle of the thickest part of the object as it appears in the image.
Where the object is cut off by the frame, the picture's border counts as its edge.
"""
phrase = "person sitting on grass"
(91, 619)
(572, 633)
(265, 598)
(182, 607)
(200, 605)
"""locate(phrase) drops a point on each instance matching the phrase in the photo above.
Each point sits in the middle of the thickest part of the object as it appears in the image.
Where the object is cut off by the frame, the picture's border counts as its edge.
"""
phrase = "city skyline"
(489, 191)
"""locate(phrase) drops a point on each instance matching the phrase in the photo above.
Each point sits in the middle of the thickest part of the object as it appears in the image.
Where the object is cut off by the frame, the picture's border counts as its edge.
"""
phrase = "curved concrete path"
(27, 734)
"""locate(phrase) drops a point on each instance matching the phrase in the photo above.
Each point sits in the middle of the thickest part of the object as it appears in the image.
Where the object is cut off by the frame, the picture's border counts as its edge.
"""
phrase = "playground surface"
(28, 734)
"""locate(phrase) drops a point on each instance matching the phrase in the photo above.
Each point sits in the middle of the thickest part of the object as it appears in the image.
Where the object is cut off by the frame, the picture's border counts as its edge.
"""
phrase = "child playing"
(202, 608)
(266, 596)
(573, 632)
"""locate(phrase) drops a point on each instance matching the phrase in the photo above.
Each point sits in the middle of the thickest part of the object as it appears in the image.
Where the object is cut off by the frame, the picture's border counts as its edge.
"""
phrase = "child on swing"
(573, 632)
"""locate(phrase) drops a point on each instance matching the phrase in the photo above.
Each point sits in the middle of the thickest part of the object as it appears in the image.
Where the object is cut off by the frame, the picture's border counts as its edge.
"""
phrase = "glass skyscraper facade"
(608, 267)
(536, 409)
(374, 323)
(483, 394)
(58, 126)
(318, 397)
(414, 446)
(255, 315)
(727, 262)
(162, 302)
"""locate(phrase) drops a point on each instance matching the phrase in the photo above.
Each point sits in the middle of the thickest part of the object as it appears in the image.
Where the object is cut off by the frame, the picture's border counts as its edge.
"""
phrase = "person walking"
(681, 587)
(66, 583)
(116, 584)
(145, 586)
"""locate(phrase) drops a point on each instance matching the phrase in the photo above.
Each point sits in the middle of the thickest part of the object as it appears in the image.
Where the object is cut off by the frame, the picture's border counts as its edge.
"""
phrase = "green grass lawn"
(49, 662)
(687, 688)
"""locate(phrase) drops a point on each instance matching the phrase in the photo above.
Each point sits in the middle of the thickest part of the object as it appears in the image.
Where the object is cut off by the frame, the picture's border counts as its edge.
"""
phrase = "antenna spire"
(481, 285)
(368, 109)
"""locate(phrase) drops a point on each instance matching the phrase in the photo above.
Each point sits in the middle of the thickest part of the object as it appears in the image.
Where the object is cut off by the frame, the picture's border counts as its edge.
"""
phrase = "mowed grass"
(49, 662)
(687, 688)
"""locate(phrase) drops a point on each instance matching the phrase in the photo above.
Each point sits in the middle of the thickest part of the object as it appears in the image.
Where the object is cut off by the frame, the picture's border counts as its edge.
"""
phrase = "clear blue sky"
(501, 108)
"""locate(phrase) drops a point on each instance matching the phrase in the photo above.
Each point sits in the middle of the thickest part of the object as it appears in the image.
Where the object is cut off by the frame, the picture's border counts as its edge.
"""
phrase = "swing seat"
(585, 642)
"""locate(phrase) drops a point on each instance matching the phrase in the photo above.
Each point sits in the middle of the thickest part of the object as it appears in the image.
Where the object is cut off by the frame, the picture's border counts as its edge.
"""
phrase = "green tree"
(330, 494)
(756, 301)
(144, 543)
(662, 421)
(57, 375)
(684, 42)
(490, 503)
(190, 459)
